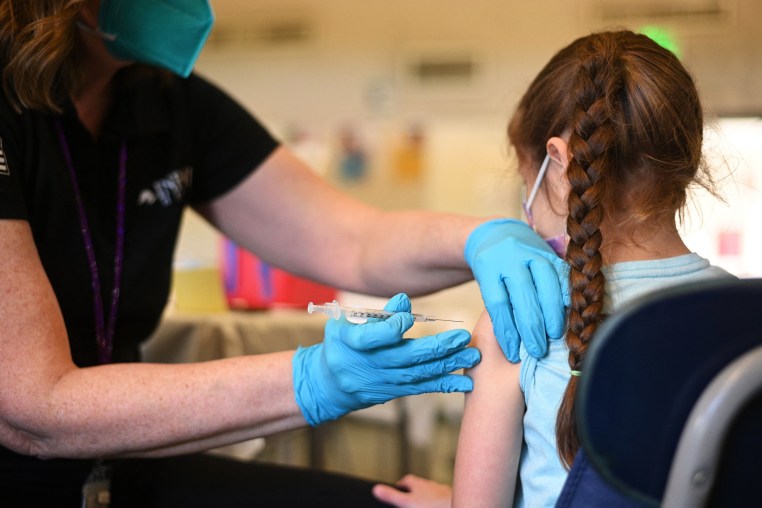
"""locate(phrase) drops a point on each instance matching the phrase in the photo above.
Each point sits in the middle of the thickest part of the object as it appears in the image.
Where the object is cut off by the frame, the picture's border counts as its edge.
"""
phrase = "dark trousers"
(196, 481)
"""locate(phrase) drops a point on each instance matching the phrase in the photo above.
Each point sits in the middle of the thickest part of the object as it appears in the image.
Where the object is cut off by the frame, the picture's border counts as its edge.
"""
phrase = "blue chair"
(669, 406)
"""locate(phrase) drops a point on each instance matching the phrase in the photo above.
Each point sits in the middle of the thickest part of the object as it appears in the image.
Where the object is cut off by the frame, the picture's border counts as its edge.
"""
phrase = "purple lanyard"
(104, 333)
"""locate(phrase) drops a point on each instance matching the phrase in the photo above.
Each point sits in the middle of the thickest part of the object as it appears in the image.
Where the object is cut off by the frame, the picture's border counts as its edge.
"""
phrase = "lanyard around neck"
(104, 331)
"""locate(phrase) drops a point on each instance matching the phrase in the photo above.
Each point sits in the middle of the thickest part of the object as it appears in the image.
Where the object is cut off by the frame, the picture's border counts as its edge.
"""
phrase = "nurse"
(105, 137)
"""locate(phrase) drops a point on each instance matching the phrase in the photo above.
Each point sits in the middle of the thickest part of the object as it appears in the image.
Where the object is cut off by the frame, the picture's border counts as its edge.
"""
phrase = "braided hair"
(634, 124)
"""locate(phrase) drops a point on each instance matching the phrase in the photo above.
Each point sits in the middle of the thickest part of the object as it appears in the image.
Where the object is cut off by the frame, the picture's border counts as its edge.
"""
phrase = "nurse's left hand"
(524, 285)
(357, 366)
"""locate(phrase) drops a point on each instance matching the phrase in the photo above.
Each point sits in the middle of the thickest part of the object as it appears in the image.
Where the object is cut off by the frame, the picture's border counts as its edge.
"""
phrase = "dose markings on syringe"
(364, 314)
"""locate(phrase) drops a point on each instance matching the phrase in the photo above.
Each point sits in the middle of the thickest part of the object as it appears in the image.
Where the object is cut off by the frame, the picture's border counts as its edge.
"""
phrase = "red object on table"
(250, 283)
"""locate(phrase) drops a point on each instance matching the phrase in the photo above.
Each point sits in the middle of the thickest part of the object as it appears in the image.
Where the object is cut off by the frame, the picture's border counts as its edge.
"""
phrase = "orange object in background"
(250, 283)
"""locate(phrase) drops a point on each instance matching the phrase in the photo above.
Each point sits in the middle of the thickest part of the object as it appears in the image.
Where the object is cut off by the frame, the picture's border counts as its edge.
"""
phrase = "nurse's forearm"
(151, 409)
(294, 219)
(416, 252)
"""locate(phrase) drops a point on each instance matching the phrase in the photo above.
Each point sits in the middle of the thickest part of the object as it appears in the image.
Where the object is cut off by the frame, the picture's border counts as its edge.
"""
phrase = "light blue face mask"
(167, 33)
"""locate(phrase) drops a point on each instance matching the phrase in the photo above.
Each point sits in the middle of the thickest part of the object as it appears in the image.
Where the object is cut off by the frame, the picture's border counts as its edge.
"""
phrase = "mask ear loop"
(538, 181)
(97, 32)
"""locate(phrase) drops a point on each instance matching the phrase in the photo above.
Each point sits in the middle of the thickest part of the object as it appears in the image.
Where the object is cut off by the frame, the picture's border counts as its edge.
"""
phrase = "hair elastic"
(575, 373)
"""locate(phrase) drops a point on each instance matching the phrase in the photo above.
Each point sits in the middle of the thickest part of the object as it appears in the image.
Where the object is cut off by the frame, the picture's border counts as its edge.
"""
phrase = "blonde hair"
(37, 41)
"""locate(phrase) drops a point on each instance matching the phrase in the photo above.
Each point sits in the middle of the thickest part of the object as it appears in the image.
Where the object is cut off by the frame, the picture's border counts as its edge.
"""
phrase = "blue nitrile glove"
(357, 366)
(524, 285)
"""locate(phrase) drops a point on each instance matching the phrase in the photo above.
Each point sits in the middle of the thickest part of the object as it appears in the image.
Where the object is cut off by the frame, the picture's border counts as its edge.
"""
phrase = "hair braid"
(592, 143)
(634, 124)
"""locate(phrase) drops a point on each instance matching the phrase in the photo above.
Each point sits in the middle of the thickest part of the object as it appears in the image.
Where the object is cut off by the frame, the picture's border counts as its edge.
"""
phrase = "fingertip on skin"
(466, 386)
(446, 383)
(532, 326)
(456, 383)
(508, 339)
(510, 347)
(444, 343)
(466, 359)
(512, 355)
(506, 332)
(458, 338)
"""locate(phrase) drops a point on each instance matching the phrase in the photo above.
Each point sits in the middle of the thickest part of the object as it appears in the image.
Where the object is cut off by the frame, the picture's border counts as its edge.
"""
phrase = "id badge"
(96, 492)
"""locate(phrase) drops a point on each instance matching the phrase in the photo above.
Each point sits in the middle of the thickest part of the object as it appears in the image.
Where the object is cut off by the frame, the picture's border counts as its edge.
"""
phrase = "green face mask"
(167, 33)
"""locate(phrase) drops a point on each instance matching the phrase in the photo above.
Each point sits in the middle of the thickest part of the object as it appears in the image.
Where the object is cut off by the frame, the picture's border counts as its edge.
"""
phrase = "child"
(608, 138)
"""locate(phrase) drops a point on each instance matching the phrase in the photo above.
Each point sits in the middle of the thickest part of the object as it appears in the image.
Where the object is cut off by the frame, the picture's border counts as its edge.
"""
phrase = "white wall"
(353, 69)
(715, 225)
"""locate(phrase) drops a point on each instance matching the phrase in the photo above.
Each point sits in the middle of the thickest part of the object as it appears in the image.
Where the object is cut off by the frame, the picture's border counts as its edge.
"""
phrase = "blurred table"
(195, 337)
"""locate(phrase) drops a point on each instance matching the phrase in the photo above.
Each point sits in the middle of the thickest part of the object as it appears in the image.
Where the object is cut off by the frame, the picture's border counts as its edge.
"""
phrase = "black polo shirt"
(187, 142)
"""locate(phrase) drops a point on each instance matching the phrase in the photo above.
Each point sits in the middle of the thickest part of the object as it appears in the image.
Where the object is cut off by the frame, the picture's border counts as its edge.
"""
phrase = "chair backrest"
(709, 430)
(643, 374)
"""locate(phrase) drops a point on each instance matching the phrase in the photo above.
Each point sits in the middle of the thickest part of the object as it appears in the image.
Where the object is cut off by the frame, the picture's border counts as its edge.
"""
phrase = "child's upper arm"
(489, 445)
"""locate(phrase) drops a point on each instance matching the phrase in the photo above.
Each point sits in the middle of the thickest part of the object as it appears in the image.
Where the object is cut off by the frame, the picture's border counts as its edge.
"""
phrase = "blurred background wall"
(405, 102)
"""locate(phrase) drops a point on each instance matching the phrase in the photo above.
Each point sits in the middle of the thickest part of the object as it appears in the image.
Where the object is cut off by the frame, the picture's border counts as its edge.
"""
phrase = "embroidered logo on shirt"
(3, 162)
(168, 190)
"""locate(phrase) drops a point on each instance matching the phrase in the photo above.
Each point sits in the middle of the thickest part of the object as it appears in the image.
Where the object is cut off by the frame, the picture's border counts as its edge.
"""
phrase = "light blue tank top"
(543, 381)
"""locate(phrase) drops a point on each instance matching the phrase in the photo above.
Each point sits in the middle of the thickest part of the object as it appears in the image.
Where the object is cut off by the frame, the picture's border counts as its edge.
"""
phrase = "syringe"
(359, 316)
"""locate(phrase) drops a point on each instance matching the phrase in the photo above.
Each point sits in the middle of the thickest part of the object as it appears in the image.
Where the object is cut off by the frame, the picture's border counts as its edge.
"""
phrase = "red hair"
(635, 127)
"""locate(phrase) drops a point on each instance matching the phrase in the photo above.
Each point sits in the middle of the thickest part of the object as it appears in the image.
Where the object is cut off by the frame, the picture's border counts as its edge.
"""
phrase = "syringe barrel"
(366, 313)
(355, 315)
(333, 310)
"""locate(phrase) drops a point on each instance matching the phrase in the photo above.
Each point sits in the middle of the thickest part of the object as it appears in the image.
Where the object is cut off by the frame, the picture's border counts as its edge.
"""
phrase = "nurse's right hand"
(357, 366)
